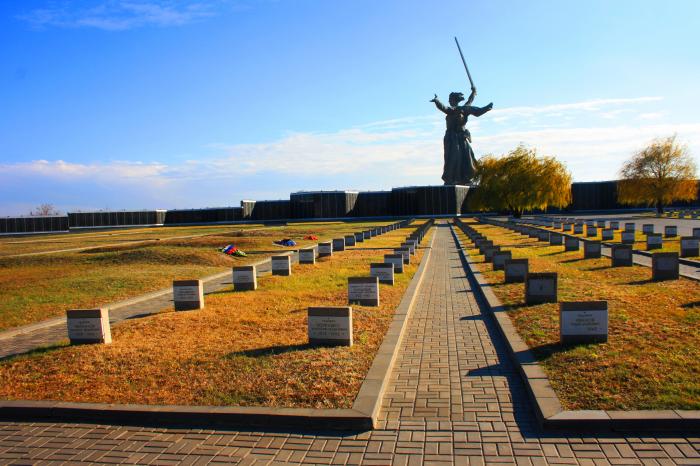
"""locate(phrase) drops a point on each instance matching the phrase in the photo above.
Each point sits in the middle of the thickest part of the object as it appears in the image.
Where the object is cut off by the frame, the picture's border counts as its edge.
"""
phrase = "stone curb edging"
(548, 409)
(361, 417)
(369, 397)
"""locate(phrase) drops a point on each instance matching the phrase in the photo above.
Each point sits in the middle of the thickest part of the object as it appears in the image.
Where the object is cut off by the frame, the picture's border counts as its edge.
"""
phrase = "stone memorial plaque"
(670, 231)
(325, 249)
(383, 272)
(245, 278)
(665, 266)
(615, 225)
(591, 232)
(568, 227)
(630, 226)
(571, 243)
(627, 237)
(307, 255)
(696, 232)
(396, 260)
(88, 326)
(415, 243)
(690, 246)
(500, 258)
(515, 270)
(654, 241)
(555, 239)
(541, 288)
(489, 252)
(608, 234)
(359, 237)
(411, 247)
(367, 234)
(648, 228)
(188, 294)
(591, 249)
(350, 240)
(338, 244)
(363, 291)
(600, 223)
(578, 229)
(621, 255)
(583, 322)
(281, 265)
(405, 253)
(330, 326)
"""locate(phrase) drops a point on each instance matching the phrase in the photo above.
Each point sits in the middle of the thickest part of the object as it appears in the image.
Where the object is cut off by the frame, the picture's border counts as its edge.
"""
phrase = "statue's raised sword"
(465, 63)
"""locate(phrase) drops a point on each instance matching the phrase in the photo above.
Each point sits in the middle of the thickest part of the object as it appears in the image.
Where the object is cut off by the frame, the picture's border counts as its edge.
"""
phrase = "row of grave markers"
(92, 325)
(335, 327)
(579, 321)
(689, 245)
(665, 265)
(682, 213)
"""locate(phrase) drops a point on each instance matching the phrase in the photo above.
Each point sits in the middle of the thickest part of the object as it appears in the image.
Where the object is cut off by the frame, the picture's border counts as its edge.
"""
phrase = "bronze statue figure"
(460, 163)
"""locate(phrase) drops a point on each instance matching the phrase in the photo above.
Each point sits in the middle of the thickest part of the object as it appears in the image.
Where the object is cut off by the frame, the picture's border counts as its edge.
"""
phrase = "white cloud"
(117, 15)
(558, 110)
(112, 172)
(405, 151)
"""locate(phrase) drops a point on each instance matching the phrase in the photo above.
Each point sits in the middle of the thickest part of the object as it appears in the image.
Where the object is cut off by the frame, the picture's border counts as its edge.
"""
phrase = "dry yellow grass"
(39, 287)
(244, 348)
(652, 358)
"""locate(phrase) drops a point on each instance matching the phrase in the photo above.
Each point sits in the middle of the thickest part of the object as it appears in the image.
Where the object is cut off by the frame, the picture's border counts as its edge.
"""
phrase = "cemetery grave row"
(580, 322)
(92, 325)
(665, 265)
(691, 213)
(113, 273)
(615, 232)
(263, 347)
(647, 325)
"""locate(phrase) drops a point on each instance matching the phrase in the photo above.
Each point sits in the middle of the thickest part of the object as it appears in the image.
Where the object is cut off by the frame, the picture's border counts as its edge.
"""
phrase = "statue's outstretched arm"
(478, 111)
(439, 104)
(471, 96)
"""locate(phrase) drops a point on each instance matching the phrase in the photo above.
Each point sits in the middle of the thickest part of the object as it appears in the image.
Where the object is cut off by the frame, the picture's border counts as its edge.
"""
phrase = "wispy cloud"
(376, 155)
(117, 15)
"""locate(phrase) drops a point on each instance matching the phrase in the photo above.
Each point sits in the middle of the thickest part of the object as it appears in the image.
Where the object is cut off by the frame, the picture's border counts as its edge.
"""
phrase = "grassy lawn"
(652, 357)
(10, 245)
(38, 287)
(243, 348)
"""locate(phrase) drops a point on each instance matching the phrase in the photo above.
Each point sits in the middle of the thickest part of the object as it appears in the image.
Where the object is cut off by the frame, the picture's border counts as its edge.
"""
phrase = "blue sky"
(130, 104)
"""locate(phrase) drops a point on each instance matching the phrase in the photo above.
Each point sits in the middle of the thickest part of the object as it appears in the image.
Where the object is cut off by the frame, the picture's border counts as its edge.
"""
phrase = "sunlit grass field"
(652, 357)
(243, 348)
(39, 287)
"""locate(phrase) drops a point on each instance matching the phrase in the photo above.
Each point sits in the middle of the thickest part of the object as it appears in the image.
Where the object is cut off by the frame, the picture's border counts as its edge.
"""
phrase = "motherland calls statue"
(460, 163)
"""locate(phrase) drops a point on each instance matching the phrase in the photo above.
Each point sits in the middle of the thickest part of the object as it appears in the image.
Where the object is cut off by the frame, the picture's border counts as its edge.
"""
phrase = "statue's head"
(456, 98)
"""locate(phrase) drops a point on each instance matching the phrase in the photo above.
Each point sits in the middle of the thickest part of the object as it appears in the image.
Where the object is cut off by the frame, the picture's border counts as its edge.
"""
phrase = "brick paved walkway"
(454, 399)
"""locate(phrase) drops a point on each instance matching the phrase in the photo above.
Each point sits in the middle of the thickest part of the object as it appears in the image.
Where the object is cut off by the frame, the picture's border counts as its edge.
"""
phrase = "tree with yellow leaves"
(657, 175)
(520, 181)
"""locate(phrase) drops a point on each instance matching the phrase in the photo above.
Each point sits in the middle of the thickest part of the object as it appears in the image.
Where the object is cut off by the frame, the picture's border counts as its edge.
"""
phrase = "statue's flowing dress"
(460, 163)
